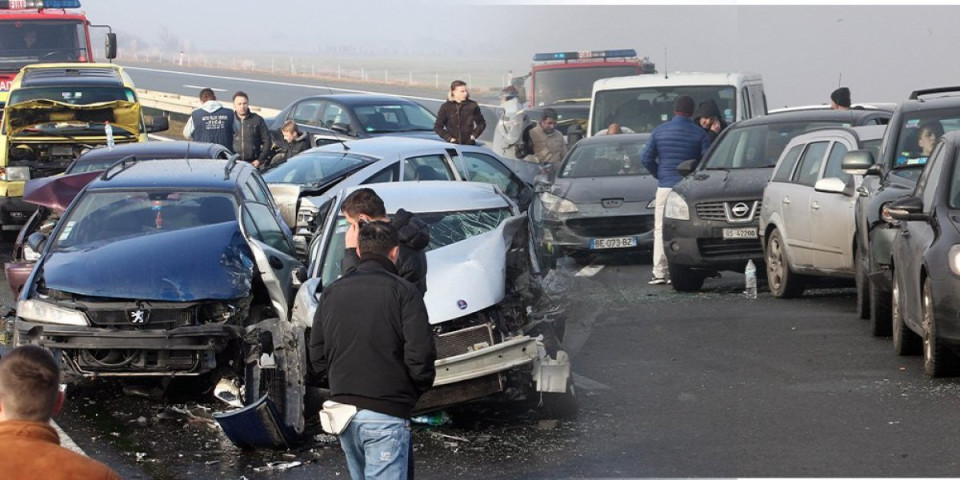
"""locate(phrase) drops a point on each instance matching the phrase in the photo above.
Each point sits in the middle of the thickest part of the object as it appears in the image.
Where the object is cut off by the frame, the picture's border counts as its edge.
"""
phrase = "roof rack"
(933, 91)
(124, 163)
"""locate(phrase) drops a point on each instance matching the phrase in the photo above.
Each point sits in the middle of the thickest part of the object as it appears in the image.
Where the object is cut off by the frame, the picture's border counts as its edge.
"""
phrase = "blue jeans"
(377, 446)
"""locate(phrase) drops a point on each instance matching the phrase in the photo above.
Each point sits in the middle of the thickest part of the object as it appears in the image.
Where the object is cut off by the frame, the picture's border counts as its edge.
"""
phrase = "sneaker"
(659, 281)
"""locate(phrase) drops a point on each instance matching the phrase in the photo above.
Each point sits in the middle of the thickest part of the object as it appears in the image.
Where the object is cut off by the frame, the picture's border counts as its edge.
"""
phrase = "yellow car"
(54, 113)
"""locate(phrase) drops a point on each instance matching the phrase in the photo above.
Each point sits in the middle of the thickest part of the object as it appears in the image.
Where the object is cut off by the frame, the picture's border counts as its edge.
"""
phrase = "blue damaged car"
(171, 268)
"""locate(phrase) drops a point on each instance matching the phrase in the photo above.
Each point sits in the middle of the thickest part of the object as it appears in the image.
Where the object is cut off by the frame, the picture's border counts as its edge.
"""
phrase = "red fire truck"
(43, 31)
(568, 76)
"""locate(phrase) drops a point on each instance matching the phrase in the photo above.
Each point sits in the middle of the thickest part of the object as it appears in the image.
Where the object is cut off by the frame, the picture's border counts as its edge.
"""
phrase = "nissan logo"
(611, 202)
(740, 210)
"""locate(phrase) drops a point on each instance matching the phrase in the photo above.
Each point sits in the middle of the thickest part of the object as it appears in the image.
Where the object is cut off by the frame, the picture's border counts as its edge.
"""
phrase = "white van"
(641, 102)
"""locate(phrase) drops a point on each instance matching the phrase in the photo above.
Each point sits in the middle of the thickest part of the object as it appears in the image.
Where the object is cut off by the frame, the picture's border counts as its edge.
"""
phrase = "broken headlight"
(40, 311)
(217, 313)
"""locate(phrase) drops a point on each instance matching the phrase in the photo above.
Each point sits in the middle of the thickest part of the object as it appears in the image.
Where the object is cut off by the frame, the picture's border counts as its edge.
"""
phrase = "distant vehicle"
(925, 265)
(826, 106)
(711, 217)
(482, 294)
(337, 117)
(58, 36)
(602, 198)
(807, 209)
(643, 102)
(894, 174)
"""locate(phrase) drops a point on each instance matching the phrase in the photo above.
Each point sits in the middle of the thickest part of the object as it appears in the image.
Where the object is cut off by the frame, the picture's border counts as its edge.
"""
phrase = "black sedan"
(337, 117)
(926, 263)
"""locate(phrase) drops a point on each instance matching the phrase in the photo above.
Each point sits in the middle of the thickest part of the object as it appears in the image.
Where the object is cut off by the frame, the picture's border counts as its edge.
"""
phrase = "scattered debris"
(141, 456)
(277, 466)
(547, 424)
(435, 419)
(142, 421)
(325, 438)
(451, 437)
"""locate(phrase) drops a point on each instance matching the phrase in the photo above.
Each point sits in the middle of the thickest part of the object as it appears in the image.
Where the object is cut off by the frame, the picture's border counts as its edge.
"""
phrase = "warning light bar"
(622, 53)
(37, 4)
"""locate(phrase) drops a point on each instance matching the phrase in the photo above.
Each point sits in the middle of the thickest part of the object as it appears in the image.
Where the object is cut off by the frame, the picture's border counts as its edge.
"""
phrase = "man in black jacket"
(371, 338)
(459, 119)
(364, 205)
(251, 138)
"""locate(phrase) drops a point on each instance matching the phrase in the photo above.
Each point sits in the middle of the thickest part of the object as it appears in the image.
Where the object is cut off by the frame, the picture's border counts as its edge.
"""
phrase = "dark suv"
(710, 220)
(894, 174)
(170, 268)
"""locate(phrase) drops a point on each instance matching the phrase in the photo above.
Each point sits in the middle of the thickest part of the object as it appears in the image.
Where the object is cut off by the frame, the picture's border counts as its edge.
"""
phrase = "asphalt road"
(277, 91)
(669, 385)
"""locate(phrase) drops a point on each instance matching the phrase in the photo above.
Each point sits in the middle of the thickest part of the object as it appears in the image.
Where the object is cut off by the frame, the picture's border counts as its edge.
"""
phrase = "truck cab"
(642, 102)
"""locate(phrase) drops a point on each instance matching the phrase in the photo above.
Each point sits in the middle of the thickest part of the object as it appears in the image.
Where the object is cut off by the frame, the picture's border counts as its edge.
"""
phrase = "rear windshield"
(757, 146)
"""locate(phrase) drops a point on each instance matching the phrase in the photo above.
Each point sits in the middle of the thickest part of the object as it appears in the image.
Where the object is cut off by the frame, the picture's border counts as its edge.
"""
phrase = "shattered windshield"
(102, 217)
(314, 168)
(759, 146)
(606, 159)
(446, 228)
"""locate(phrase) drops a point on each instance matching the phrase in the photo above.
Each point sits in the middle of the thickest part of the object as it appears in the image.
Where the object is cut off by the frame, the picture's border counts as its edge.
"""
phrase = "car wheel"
(938, 359)
(782, 282)
(905, 341)
(685, 279)
(880, 316)
(863, 290)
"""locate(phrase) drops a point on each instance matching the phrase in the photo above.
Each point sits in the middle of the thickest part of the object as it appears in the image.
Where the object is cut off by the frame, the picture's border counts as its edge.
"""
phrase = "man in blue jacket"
(670, 144)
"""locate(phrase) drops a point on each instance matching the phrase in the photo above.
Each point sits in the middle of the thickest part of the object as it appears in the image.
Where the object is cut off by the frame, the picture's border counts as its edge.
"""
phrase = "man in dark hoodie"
(372, 339)
(459, 119)
(363, 206)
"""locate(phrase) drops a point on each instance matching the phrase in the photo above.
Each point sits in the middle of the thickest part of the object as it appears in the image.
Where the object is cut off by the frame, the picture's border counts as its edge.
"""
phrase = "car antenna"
(665, 69)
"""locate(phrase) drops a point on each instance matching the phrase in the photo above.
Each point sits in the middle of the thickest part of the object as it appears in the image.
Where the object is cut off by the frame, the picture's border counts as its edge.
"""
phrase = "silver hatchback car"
(807, 218)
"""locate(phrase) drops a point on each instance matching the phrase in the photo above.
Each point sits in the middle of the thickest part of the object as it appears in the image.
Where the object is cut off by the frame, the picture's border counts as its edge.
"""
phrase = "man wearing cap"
(840, 99)
(670, 144)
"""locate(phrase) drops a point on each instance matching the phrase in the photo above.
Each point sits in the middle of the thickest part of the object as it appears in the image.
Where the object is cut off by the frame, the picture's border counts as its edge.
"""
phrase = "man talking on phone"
(364, 206)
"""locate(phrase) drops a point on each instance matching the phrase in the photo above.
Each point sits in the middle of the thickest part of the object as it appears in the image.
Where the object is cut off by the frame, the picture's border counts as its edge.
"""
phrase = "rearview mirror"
(874, 170)
(343, 128)
(110, 46)
(687, 166)
(856, 162)
(907, 208)
(156, 123)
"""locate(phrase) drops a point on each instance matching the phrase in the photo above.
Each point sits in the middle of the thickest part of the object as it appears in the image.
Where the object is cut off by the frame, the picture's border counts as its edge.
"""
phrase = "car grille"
(611, 226)
(462, 341)
(159, 318)
(459, 392)
(729, 211)
(715, 247)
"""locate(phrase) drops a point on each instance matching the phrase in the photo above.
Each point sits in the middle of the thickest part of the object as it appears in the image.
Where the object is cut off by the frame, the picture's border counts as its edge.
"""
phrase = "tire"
(938, 359)
(880, 317)
(685, 279)
(905, 341)
(863, 285)
(783, 283)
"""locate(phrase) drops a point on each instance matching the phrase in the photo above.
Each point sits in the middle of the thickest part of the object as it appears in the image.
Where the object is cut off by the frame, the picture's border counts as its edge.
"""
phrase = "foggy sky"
(881, 52)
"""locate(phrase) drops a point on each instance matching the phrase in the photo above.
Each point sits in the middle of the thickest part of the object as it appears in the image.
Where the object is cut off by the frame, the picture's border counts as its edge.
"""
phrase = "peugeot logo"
(740, 209)
(139, 316)
(611, 202)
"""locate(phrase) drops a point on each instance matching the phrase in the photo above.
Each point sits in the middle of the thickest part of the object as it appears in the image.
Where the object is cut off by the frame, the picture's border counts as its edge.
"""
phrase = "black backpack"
(524, 146)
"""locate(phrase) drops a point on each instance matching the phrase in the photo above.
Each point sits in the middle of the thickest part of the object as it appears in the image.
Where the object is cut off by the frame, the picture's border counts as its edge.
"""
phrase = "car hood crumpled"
(56, 192)
(724, 184)
(468, 276)
(211, 262)
(21, 116)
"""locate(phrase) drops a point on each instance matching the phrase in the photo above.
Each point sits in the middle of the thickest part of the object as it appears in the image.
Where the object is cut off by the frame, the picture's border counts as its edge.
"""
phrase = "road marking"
(215, 89)
(289, 84)
(65, 440)
(585, 383)
(589, 270)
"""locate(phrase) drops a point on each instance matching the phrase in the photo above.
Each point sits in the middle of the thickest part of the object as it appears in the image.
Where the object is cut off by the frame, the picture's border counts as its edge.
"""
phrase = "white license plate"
(618, 242)
(735, 233)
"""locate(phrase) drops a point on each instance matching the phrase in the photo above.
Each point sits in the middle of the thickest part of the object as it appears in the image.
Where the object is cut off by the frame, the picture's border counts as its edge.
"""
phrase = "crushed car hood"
(122, 114)
(56, 192)
(468, 276)
(593, 189)
(724, 184)
(211, 262)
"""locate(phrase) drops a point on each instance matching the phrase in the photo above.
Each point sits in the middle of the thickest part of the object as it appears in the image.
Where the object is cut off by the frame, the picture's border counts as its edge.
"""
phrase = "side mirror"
(156, 123)
(906, 208)
(856, 162)
(110, 46)
(343, 128)
(687, 166)
(35, 241)
(830, 185)
(874, 170)
(541, 183)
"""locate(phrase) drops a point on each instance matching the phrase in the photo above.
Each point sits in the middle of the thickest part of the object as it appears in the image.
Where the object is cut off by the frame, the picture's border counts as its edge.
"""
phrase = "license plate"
(618, 242)
(735, 233)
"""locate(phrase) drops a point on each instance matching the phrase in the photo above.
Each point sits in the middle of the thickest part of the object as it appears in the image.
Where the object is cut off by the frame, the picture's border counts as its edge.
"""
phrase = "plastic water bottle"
(109, 130)
(750, 279)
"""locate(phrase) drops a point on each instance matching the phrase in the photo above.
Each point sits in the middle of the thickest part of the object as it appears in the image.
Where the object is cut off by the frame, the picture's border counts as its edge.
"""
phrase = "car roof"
(862, 133)
(617, 138)
(361, 98)
(383, 147)
(673, 79)
(436, 196)
(931, 99)
(153, 150)
(181, 173)
(854, 117)
(884, 106)
(71, 75)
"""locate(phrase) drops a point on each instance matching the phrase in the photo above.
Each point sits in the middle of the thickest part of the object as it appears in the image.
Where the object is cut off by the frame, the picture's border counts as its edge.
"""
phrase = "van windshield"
(643, 109)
